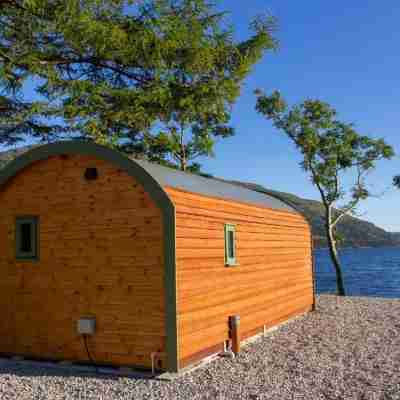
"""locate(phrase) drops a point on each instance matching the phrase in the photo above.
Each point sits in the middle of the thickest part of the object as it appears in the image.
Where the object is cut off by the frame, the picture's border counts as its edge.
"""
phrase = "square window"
(230, 245)
(26, 238)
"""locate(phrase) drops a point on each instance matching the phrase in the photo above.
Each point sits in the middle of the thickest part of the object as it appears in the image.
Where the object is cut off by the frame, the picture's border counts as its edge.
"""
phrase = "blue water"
(367, 271)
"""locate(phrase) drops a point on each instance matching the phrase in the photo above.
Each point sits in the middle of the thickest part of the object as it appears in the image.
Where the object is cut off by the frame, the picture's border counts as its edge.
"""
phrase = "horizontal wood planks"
(101, 254)
(272, 282)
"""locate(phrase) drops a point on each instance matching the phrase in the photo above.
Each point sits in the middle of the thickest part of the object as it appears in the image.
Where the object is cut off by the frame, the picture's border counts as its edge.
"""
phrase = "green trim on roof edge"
(157, 193)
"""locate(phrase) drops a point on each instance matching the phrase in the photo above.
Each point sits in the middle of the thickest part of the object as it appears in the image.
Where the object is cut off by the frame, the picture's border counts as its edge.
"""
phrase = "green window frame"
(230, 245)
(27, 238)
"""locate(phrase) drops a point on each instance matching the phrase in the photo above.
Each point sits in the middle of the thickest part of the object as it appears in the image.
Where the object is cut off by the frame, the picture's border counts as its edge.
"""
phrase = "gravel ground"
(348, 349)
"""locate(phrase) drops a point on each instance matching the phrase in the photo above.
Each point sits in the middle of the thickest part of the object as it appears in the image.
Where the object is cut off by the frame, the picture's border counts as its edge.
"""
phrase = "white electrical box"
(86, 326)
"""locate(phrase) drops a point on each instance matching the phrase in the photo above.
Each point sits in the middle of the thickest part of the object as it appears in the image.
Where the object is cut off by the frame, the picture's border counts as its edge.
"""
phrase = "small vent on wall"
(91, 174)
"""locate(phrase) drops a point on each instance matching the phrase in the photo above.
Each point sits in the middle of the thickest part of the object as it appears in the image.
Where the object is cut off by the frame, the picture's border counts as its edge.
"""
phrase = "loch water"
(367, 271)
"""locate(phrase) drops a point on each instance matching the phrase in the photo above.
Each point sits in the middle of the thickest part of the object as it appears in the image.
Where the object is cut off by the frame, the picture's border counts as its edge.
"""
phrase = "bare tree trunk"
(333, 251)
(183, 151)
(183, 162)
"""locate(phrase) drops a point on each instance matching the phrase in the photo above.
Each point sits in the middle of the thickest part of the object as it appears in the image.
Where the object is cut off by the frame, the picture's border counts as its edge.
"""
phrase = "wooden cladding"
(114, 245)
(101, 254)
(272, 282)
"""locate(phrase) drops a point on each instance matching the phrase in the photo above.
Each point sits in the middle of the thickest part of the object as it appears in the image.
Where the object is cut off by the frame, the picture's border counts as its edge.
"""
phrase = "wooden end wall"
(272, 283)
(101, 254)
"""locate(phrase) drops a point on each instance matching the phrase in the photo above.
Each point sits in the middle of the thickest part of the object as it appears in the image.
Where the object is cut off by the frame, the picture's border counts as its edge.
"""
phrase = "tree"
(329, 149)
(155, 77)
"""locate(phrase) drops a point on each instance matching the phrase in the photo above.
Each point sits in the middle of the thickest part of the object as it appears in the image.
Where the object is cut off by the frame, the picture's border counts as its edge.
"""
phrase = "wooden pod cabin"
(140, 261)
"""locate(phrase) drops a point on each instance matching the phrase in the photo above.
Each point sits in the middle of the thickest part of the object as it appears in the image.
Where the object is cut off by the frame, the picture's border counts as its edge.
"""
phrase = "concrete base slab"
(72, 368)
(17, 358)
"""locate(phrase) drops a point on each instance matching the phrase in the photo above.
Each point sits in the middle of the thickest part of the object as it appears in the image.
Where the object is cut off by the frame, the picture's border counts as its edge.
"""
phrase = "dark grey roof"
(193, 183)
(210, 186)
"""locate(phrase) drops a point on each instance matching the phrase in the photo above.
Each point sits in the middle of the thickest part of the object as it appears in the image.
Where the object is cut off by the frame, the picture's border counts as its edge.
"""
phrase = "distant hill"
(356, 232)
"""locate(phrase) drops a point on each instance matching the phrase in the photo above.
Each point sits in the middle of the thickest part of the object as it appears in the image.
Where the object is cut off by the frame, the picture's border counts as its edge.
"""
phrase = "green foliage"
(156, 77)
(329, 148)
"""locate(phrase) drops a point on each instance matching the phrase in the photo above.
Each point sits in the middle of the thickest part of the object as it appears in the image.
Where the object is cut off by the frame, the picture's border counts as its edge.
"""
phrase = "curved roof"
(163, 176)
(156, 192)
(78, 147)
(169, 177)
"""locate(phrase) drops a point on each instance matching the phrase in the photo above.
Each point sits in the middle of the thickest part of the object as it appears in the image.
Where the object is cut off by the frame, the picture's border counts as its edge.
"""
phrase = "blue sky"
(345, 53)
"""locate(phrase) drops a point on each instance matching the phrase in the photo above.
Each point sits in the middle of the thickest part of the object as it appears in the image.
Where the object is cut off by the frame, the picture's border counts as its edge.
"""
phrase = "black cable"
(88, 353)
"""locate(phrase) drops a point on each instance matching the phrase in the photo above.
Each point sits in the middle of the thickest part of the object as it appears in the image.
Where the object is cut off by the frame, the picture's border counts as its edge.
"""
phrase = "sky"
(345, 53)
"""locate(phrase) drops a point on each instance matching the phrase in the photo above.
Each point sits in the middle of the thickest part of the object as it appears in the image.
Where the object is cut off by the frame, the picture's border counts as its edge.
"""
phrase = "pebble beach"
(349, 348)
